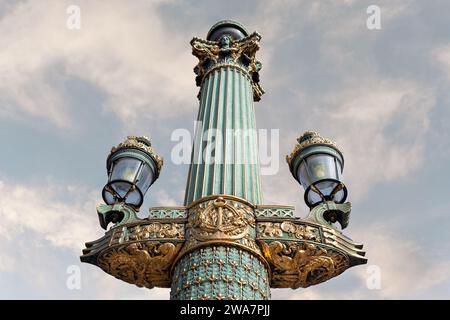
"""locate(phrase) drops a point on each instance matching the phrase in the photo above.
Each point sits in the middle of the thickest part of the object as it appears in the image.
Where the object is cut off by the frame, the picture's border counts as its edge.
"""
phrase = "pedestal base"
(220, 272)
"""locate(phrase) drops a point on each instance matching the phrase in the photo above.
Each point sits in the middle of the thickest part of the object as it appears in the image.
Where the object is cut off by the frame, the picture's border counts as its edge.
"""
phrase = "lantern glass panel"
(318, 167)
(108, 197)
(125, 169)
(339, 196)
(338, 169)
(134, 198)
(145, 178)
(121, 188)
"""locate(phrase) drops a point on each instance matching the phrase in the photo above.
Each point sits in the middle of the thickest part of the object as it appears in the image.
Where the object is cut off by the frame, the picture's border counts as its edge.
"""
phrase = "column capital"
(227, 51)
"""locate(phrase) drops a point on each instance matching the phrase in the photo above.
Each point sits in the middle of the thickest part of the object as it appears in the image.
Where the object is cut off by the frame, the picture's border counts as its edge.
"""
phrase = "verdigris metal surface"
(208, 247)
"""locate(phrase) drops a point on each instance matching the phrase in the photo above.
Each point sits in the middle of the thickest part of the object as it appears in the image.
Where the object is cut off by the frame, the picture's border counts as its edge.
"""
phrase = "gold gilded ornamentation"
(302, 264)
(220, 220)
(141, 143)
(225, 50)
(270, 229)
(156, 230)
(294, 230)
(248, 47)
(258, 91)
(300, 231)
(307, 139)
(204, 49)
(143, 264)
(224, 220)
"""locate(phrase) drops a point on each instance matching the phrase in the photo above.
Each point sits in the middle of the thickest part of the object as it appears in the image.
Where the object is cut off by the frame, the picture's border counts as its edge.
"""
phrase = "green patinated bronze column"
(225, 161)
(225, 157)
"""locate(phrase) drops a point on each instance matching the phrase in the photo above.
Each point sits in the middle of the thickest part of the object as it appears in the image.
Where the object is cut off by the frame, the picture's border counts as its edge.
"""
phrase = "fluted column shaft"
(225, 158)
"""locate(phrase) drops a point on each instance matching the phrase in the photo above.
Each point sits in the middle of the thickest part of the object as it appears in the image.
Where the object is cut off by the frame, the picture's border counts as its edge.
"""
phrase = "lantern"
(132, 168)
(317, 164)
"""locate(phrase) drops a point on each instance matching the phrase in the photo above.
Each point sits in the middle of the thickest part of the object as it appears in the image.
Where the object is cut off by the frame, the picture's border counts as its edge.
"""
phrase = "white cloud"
(381, 127)
(164, 199)
(407, 267)
(46, 212)
(123, 49)
(441, 57)
(43, 231)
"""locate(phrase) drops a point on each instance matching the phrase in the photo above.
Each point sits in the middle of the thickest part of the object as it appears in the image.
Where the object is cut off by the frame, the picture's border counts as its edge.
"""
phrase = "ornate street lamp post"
(224, 243)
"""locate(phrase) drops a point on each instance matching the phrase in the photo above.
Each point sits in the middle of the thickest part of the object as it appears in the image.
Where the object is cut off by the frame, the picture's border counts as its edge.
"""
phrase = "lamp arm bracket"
(342, 212)
(119, 214)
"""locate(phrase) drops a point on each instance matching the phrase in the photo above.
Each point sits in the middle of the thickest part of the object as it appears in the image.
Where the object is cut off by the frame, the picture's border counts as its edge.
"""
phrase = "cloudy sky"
(67, 96)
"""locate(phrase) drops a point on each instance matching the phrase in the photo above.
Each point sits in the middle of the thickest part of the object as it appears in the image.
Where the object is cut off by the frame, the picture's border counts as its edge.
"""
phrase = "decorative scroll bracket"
(297, 252)
(302, 252)
(139, 251)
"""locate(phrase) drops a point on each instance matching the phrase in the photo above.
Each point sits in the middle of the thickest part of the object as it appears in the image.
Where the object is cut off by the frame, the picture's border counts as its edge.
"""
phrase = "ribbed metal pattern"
(220, 272)
(225, 159)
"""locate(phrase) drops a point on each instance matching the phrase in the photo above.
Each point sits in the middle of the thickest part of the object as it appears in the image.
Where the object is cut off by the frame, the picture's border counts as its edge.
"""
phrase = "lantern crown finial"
(307, 135)
(142, 143)
(307, 139)
(143, 139)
